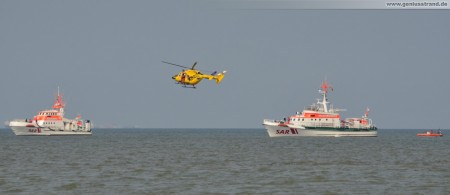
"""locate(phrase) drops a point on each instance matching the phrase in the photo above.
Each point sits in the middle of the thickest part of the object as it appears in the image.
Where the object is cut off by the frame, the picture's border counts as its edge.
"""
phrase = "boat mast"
(366, 114)
(59, 104)
(324, 92)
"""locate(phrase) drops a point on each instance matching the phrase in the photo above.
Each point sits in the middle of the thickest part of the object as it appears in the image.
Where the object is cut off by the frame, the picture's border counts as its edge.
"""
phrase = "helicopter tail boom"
(217, 77)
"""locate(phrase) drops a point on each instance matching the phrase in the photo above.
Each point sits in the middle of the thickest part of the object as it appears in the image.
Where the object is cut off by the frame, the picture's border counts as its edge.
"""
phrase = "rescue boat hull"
(285, 131)
(23, 130)
(26, 128)
(429, 135)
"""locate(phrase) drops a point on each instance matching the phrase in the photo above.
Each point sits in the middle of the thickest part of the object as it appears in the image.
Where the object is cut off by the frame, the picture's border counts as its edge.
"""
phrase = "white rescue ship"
(321, 120)
(51, 122)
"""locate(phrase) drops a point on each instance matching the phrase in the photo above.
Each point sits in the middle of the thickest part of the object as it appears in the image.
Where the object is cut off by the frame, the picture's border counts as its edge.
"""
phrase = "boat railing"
(273, 121)
(268, 121)
(20, 120)
(323, 124)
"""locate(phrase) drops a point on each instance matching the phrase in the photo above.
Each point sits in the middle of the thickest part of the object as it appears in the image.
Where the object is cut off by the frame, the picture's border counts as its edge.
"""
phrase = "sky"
(105, 56)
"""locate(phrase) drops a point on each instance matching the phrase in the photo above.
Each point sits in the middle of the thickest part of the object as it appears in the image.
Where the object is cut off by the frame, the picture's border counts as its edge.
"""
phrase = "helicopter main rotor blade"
(175, 64)
(193, 66)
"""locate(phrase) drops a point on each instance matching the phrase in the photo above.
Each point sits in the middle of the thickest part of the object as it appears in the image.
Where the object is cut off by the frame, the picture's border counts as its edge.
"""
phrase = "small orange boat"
(430, 133)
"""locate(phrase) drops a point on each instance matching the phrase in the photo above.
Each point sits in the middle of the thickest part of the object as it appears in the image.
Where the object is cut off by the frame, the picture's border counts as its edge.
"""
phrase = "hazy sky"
(106, 57)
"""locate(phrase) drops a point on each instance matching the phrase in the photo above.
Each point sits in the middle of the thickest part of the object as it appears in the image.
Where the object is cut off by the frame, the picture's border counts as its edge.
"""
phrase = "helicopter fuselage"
(189, 77)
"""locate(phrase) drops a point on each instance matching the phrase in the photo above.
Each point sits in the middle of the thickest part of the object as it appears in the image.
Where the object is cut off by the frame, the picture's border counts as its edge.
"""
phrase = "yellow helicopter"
(191, 77)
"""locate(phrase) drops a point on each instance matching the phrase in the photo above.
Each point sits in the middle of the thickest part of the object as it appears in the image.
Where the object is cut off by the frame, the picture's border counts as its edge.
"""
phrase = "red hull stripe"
(293, 131)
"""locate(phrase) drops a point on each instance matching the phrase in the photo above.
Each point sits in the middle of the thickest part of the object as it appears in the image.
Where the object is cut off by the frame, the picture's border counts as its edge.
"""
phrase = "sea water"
(223, 161)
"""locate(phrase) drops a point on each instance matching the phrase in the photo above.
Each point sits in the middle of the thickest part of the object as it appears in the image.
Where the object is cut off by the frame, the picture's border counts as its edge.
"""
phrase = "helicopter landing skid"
(191, 87)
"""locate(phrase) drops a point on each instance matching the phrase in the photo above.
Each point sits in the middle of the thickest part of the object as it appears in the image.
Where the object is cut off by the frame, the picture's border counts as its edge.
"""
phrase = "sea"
(223, 161)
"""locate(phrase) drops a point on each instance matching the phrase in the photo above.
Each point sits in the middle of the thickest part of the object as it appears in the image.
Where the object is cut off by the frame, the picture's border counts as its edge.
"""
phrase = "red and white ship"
(321, 119)
(51, 122)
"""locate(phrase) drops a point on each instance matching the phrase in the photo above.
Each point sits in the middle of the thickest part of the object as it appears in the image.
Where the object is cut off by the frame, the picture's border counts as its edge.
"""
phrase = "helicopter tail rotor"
(219, 77)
